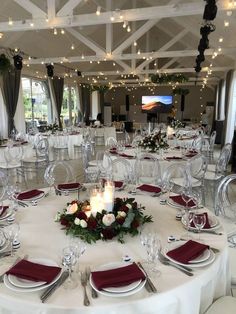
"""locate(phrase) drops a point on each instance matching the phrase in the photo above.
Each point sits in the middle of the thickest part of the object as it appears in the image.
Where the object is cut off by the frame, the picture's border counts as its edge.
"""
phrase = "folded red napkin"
(32, 271)
(147, 158)
(113, 151)
(207, 224)
(179, 200)
(118, 184)
(173, 157)
(3, 210)
(68, 186)
(187, 252)
(24, 142)
(177, 147)
(191, 154)
(125, 155)
(193, 151)
(117, 277)
(128, 145)
(29, 194)
(149, 188)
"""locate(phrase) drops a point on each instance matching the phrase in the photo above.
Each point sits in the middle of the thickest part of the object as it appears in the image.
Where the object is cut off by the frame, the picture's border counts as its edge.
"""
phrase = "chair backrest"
(127, 138)
(197, 143)
(3, 184)
(61, 141)
(104, 163)
(13, 155)
(111, 142)
(58, 170)
(225, 202)
(212, 140)
(198, 166)
(87, 152)
(121, 170)
(147, 170)
(136, 140)
(177, 171)
(42, 149)
(223, 160)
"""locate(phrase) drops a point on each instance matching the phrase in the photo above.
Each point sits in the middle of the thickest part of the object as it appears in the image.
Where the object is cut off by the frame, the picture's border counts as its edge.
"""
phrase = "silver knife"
(50, 290)
(150, 283)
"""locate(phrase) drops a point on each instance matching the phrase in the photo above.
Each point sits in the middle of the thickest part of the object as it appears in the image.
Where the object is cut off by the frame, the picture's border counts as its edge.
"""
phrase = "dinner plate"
(176, 205)
(7, 213)
(197, 264)
(212, 220)
(70, 190)
(118, 291)
(21, 285)
(147, 192)
(38, 197)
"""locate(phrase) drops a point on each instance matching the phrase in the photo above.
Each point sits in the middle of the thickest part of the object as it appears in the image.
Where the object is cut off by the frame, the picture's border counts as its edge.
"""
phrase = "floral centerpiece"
(52, 127)
(176, 124)
(77, 219)
(155, 141)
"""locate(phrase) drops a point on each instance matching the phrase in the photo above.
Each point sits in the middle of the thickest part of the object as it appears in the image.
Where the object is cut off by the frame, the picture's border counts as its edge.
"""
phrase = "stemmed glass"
(68, 261)
(79, 248)
(11, 233)
(199, 221)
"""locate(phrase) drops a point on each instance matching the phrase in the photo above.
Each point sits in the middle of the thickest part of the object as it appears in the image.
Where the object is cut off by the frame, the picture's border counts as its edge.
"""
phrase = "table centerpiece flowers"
(176, 124)
(154, 141)
(125, 218)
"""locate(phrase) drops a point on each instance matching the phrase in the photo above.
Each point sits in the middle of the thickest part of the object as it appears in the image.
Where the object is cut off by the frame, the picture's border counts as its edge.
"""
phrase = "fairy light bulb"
(72, 47)
(10, 22)
(98, 12)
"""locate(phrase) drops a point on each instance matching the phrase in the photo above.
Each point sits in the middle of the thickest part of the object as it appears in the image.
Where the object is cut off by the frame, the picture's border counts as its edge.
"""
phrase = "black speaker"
(182, 103)
(127, 102)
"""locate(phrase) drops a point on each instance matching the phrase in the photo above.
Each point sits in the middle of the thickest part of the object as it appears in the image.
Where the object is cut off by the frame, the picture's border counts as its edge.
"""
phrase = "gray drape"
(10, 86)
(85, 95)
(57, 87)
(102, 100)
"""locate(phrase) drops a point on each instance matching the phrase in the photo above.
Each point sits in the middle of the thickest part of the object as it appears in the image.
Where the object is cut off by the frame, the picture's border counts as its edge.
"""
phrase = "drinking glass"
(79, 248)
(11, 233)
(199, 221)
(68, 261)
(187, 197)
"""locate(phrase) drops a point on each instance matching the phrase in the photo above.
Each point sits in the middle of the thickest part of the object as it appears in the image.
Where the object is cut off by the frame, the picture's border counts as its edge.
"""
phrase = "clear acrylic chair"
(99, 137)
(90, 172)
(111, 142)
(147, 170)
(12, 164)
(60, 147)
(36, 165)
(136, 140)
(226, 304)
(104, 164)
(59, 172)
(122, 170)
(197, 144)
(208, 147)
(127, 138)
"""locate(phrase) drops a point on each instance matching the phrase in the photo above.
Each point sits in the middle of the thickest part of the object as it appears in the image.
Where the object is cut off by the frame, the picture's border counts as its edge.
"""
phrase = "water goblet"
(68, 261)
(11, 233)
(199, 221)
(79, 248)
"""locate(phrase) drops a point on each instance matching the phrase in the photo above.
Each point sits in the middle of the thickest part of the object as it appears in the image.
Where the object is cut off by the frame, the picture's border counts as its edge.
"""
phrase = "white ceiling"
(166, 32)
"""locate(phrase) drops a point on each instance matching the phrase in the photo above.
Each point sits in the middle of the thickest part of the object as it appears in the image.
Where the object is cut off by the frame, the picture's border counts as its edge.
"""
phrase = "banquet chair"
(99, 138)
(208, 147)
(37, 164)
(77, 150)
(104, 164)
(122, 170)
(12, 157)
(147, 170)
(90, 172)
(136, 140)
(197, 143)
(226, 304)
(111, 142)
(60, 147)
(59, 172)
(127, 138)
(223, 159)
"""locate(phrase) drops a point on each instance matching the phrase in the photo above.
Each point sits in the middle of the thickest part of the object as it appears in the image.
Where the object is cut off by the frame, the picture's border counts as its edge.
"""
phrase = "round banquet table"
(42, 237)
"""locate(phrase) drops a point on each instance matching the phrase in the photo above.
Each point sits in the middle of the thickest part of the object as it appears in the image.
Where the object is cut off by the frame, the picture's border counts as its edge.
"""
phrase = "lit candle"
(108, 196)
(96, 202)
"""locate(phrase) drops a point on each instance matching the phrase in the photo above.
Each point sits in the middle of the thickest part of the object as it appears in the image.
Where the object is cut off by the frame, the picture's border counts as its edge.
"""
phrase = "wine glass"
(187, 197)
(79, 248)
(68, 261)
(11, 233)
(199, 221)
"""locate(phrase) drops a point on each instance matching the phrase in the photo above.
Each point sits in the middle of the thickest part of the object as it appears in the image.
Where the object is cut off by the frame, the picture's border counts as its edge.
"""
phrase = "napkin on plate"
(113, 151)
(3, 210)
(207, 224)
(35, 272)
(29, 194)
(173, 158)
(126, 156)
(118, 184)
(117, 277)
(187, 252)
(68, 186)
(179, 200)
(149, 188)
(128, 145)
(190, 154)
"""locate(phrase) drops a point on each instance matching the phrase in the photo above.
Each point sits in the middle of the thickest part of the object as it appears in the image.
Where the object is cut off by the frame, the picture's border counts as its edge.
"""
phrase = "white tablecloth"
(177, 293)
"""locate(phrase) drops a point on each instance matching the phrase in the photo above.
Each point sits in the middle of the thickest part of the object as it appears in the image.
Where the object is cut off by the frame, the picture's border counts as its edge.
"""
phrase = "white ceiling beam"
(31, 8)
(165, 47)
(157, 54)
(88, 42)
(149, 13)
(51, 9)
(127, 80)
(169, 63)
(124, 65)
(68, 8)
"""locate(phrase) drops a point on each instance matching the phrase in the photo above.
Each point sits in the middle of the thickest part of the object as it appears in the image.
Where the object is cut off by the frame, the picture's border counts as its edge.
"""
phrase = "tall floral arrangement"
(154, 141)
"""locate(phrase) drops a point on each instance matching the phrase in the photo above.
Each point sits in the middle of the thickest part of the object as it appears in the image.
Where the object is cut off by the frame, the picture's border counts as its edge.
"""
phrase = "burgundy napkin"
(68, 186)
(117, 277)
(3, 210)
(113, 151)
(32, 271)
(173, 158)
(29, 194)
(179, 200)
(118, 184)
(193, 151)
(126, 156)
(149, 188)
(147, 158)
(177, 147)
(128, 145)
(24, 142)
(191, 154)
(187, 252)
(207, 224)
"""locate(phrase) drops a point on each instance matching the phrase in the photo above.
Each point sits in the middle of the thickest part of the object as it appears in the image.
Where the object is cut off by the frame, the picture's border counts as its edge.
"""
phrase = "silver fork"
(166, 261)
(93, 291)
(84, 284)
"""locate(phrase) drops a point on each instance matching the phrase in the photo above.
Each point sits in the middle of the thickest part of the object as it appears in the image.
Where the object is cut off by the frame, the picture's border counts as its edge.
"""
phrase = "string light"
(226, 23)
(82, 57)
(112, 18)
(98, 12)
(55, 31)
(10, 22)
(135, 43)
(1, 35)
(221, 39)
(62, 31)
(124, 24)
(72, 47)
(128, 29)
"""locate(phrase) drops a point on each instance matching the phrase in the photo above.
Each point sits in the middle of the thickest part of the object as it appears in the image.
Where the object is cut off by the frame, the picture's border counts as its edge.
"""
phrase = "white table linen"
(177, 293)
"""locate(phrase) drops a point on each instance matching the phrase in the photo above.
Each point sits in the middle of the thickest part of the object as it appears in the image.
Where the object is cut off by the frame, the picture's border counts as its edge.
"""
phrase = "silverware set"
(165, 261)
(84, 281)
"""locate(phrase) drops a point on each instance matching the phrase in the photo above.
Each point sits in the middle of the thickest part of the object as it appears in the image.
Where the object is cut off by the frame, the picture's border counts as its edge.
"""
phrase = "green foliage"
(168, 78)
(100, 88)
(5, 64)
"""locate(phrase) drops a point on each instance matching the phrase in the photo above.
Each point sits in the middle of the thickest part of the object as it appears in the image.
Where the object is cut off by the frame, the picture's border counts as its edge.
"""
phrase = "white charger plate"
(176, 205)
(212, 220)
(71, 190)
(22, 285)
(7, 213)
(118, 291)
(194, 263)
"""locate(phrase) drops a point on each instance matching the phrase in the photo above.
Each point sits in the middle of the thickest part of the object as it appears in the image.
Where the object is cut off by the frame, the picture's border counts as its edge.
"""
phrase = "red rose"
(135, 205)
(124, 208)
(64, 222)
(108, 234)
(135, 224)
(81, 215)
(120, 220)
(92, 223)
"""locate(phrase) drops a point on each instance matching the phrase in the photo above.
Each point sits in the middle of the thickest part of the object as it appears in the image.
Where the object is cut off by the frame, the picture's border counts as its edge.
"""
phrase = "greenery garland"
(181, 91)
(168, 78)
(5, 63)
(100, 88)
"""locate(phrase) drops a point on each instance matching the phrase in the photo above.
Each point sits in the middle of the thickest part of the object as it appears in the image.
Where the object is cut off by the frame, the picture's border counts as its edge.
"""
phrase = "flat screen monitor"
(155, 104)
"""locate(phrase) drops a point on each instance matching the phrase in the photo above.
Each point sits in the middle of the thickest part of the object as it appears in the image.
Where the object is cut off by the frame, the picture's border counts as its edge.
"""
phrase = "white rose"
(129, 206)
(83, 223)
(71, 209)
(57, 217)
(77, 221)
(121, 213)
(108, 219)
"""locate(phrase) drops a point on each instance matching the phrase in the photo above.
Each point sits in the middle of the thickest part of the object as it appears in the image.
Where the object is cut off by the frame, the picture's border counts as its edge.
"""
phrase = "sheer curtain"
(80, 112)
(3, 118)
(19, 118)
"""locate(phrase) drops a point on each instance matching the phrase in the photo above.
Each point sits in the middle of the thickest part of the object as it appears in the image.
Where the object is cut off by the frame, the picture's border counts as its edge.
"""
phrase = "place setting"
(29, 196)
